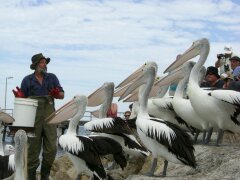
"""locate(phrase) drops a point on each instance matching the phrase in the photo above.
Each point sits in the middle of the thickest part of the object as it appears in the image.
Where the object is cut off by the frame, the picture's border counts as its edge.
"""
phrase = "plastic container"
(24, 112)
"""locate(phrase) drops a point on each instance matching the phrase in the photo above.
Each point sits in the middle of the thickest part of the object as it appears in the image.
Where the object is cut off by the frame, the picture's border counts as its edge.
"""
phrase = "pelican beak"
(99, 96)
(192, 52)
(131, 77)
(6, 118)
(66, 112)
(96, 98)
(140, 81)
(120, 91)
(170, 78)
(132, 98)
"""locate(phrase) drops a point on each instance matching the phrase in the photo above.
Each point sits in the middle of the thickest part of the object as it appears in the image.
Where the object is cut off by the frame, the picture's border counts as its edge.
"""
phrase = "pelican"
(15, 165)
(159, 103)
(160, 137)
(182, 106)
(220, 107)
(115, 128)
(85, 151)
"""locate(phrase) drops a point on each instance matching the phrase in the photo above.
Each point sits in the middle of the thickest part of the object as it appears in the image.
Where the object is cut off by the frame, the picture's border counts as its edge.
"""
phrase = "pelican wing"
(229, 96)
(108, 125)
(5, 171)
(173, 138)
(90, 155)
(165, 103)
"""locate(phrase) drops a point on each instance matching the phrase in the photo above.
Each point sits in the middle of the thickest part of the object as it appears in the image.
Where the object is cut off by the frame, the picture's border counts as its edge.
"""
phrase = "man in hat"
(212, 78)
(235, 65)
(223, 62)
(44, 87)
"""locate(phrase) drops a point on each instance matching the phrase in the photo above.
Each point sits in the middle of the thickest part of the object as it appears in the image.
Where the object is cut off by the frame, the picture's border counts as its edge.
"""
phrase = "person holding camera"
(223, 60)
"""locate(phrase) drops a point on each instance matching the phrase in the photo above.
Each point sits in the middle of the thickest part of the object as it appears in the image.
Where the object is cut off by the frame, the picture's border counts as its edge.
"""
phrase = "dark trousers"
(45, 139)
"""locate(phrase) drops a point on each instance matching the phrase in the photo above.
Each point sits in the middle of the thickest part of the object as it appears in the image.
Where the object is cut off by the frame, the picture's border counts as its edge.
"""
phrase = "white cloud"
(91, 42)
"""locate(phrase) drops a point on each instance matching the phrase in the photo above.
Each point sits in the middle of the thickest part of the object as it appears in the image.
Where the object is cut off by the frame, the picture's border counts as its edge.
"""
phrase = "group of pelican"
(163, 122)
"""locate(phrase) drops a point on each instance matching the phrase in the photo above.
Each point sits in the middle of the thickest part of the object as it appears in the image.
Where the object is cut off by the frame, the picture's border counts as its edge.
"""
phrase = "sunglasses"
(127, 115)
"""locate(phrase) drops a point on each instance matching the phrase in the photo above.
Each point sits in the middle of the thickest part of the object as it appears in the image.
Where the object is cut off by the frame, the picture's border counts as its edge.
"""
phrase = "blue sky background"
(91, 42)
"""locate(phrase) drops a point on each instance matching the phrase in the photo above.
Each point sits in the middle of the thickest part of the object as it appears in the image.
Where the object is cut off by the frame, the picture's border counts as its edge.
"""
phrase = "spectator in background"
(229, 82)
(223, 62)
(212, 78)
(127, 115)
(235, 65)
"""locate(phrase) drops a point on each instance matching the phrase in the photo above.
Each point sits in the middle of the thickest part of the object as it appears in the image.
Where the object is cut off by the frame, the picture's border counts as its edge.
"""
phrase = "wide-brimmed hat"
(36, 58)
(212, 70)
(235, 58)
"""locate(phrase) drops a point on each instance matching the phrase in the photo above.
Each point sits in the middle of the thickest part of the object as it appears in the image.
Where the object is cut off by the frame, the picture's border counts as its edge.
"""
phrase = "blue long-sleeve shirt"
(31, 87)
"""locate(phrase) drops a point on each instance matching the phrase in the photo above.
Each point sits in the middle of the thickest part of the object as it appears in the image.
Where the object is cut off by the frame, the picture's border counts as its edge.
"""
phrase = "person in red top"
(113, 110)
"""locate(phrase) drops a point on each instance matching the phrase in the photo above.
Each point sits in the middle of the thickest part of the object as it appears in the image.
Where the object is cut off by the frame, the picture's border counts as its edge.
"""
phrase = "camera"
(220, 56)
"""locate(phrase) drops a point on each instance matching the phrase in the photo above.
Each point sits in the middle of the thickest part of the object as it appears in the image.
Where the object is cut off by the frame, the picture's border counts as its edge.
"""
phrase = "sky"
(95, 41)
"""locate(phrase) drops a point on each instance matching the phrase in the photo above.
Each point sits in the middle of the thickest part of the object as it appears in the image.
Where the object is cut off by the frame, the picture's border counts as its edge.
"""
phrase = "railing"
(87, 117)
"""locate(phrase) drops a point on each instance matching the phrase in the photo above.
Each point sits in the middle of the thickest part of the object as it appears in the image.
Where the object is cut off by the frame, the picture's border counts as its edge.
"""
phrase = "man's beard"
(42, 70)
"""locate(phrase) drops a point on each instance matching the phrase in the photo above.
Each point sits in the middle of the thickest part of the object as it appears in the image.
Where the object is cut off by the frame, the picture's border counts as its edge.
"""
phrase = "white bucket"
(24, 112)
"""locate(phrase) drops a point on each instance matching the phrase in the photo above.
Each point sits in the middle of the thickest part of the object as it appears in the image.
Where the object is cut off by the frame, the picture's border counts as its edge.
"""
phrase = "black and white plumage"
(219, 107)
(85, 151)
(115, 128)
(160, 137)
(14, 165)
(181, 105)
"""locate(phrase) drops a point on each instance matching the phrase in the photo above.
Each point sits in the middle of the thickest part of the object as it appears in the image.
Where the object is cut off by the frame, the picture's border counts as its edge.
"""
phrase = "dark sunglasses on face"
(127, 115)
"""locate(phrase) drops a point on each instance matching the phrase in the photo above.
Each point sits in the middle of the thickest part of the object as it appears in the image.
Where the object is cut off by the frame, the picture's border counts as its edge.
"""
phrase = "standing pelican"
(15, 164)
(85, 151)
(181, 105)
(160, 137)
(220, 107)
(115, 128)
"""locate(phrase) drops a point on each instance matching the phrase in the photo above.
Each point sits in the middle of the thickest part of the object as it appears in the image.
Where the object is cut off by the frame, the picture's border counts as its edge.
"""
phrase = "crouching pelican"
(221, 108)
(15, 165)
(160, 137)
(85, 151)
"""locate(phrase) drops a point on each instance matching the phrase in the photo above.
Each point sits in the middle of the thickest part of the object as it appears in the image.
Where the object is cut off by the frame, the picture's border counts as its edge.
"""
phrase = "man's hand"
(54, 92)
(18, 93)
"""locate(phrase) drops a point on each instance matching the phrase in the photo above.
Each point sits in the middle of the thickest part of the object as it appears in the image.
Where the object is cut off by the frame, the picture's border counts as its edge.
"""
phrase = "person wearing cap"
(212, 78)
(235, 65)
(45, 88)
(223, 62)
